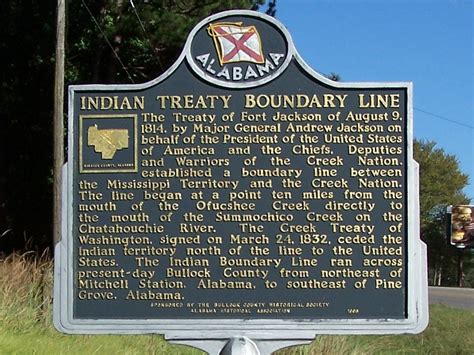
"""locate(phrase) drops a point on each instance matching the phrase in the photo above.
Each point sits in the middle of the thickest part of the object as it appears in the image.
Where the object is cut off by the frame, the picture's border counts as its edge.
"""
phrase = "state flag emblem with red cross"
(236, 43)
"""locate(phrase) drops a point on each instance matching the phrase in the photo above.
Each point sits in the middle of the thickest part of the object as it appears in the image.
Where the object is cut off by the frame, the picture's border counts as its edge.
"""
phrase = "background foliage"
(108, 41)
(441, 184)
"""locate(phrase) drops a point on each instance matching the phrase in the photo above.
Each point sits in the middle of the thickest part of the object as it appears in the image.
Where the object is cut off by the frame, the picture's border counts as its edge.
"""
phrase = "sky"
(427, 42)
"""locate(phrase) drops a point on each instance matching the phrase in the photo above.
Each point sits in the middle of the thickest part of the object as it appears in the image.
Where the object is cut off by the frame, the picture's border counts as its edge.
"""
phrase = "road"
(453, 297)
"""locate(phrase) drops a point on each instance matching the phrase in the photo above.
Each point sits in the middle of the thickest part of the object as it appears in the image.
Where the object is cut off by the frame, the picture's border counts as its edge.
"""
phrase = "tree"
(26, 91)
(147, 37)
(441, 180)
(116, 41)
(441, 184)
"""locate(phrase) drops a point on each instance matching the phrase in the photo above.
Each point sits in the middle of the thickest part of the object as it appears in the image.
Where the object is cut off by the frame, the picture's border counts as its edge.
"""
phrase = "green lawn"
(48, 342)
(451, 331)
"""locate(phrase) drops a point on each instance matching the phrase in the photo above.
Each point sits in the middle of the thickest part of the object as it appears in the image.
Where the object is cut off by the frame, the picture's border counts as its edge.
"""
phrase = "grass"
(26, 326)
(450, 332)
(48, 343)
(26, 285)
(25, 292)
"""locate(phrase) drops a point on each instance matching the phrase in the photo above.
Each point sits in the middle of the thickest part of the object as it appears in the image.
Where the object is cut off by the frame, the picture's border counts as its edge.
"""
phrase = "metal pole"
(240, 346)
(460, 268)
(58, 118)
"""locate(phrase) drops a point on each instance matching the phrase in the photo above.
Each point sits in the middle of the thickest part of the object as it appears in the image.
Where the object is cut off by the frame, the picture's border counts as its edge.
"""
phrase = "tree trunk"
(435, 274)
(440, 273)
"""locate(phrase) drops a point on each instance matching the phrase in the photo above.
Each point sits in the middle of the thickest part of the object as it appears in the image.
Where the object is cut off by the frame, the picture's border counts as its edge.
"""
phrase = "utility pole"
(58, 119)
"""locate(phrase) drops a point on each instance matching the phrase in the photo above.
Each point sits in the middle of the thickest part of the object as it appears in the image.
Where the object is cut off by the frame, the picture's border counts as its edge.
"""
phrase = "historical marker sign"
(240, 193)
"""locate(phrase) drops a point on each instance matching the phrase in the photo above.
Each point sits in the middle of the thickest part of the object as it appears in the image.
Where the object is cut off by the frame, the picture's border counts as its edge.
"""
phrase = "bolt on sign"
(240, 194)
